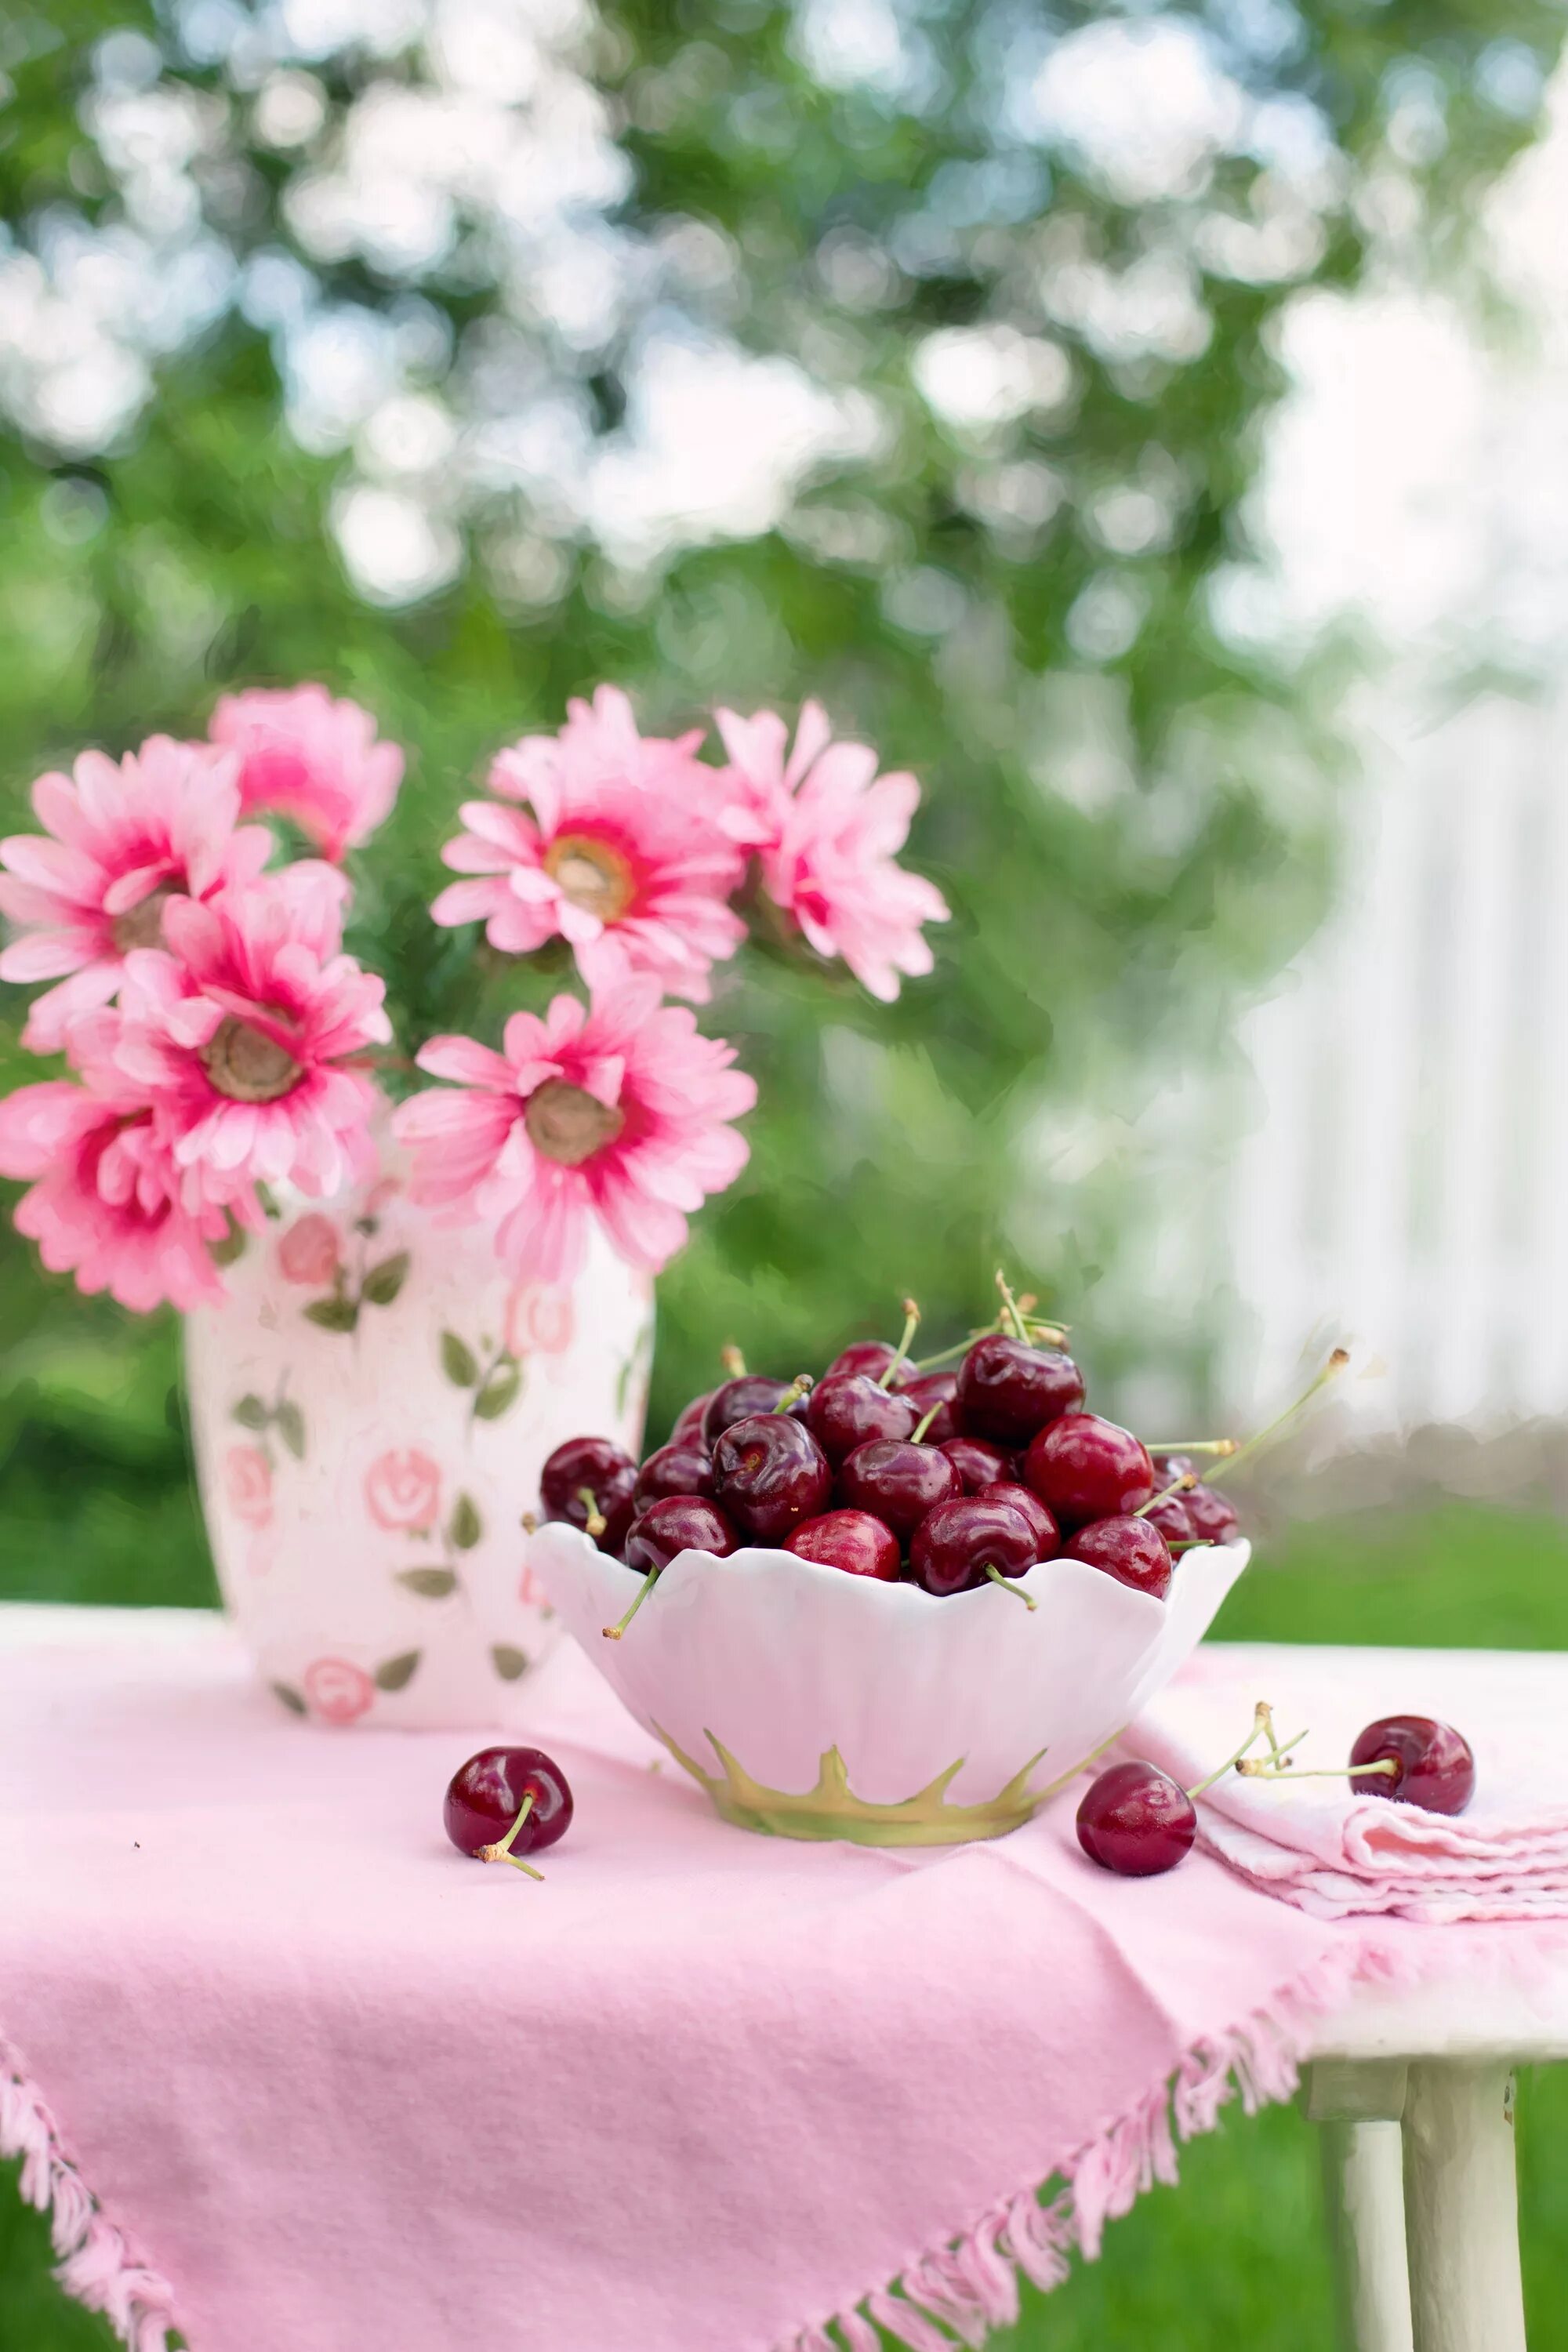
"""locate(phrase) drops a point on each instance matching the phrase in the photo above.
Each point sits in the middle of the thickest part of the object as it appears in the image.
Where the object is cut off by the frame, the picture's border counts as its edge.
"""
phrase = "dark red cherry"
(1436, 1768)
(1127, 1549)
(1007, 1390)
(898, 1482)
(675, 1524)
(1212, 1515)
(1029, 1507)
(869, 1357)
(852, 1540)
(1137, 1822)
(955, 1544)
(689, 1420)
(684, 1467)
(1171, 1516)
(739, 1399)
(938, 1389)
(486, 1795)
(596, 1466)
(846, 1408)
(770, 1473)
(977, 1461)
(1084, 1468)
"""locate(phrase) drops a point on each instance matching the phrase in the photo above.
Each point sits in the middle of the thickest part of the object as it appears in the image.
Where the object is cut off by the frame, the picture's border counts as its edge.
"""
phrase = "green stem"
(595, 1523)
(911, 1324)
(614, 1633)
(794, 1393)
(958, 1348)
(1010, 1308)
(1330, 1371)
(503, 1852)
(925, 1421)
(1256, 1770)
(1007, 1585)
(1180, 1486)
(1191, 1446)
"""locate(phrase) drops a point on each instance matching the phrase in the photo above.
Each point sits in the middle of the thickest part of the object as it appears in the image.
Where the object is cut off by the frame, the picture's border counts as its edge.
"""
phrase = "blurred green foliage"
(1131, 810)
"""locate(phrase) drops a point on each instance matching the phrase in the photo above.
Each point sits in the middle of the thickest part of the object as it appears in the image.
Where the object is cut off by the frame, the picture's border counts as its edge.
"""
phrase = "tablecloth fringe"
(94, 2263)
(969, 2286)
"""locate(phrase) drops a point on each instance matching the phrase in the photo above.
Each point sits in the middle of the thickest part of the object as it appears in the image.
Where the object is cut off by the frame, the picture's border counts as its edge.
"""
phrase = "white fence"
(1404, 1181)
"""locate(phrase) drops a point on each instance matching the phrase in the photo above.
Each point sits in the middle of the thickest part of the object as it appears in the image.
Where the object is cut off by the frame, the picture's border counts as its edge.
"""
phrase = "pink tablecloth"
(300, 2079)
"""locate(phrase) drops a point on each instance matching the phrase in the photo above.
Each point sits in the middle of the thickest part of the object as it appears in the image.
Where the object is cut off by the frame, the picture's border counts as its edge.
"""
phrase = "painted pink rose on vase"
(538, 1320)
(402, 1491)
(247, 1484)
(309, 1252)
(337, 1691)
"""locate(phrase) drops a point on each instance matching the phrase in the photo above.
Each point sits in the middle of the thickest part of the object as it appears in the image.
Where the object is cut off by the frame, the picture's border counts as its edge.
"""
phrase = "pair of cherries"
(1136, 1821)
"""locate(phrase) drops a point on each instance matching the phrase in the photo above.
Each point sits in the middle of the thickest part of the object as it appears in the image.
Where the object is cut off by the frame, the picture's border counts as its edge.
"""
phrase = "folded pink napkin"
(1337, 1850)
(295, 2077)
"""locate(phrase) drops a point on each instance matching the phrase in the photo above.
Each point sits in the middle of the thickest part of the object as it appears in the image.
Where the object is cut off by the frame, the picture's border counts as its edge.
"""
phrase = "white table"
(1414, 2092)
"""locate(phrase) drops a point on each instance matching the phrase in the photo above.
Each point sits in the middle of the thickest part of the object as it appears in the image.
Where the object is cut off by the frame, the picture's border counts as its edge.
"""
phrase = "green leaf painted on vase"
(466, 1526)
(290, 1698)
(333, 1314)
(289, 1422)
(397, 1673)
(430, 1584)
(250, 1413)
(382, 1283)
(501, 1391)
(458, 1361)
(509, 1663)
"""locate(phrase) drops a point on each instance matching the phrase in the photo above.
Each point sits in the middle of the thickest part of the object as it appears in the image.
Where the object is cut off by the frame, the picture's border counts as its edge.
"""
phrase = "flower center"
(142, 925)
(248, 1066)
(569, 1125)
(592, 875)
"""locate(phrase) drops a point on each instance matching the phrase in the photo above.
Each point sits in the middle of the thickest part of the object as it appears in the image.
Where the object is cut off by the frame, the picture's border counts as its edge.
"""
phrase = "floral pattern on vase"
(371, 1410)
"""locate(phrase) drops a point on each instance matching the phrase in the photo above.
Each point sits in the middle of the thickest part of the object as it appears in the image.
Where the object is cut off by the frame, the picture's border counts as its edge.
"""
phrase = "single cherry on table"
(505, 1802)
(1436, 1768)
(851, 1541)
(1136, 1821)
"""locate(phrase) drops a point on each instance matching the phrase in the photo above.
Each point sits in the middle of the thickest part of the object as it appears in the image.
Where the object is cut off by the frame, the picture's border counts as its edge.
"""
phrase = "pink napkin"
(298, 2078)
(1335, 1852)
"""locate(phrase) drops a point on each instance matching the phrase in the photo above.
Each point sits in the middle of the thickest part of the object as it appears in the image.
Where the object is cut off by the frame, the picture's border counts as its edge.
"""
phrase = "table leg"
(1357, 2107)
(1462, 2200)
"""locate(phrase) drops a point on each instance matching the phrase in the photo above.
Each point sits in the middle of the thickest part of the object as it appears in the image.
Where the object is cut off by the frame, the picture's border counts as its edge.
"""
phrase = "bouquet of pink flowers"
(221, 1041)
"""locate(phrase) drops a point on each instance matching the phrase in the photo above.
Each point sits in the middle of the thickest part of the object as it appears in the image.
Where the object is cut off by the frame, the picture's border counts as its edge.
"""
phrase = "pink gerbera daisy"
(120, 838)
(316, 761)
(245, 1031)
(616, 846)
(106, 1201)
(617, 1113)
(825, 827)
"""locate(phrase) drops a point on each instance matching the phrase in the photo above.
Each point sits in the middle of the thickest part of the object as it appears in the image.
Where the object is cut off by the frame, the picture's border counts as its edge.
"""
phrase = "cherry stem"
(503, 1852)
(911, 1324)
(794, 1393)
(1256, 1770)
(595, 1522)
(1330, 1371)
(1262, 1728)
(958, 1348)
(1186, 1481)
(1007, 1585)
(614, 1633)
(1010, 1308)
(732, 1362)
(925, 1421)
(1192, 1445)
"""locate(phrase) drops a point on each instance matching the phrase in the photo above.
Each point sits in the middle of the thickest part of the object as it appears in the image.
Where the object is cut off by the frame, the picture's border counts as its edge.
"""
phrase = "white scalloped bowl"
(811, 1704)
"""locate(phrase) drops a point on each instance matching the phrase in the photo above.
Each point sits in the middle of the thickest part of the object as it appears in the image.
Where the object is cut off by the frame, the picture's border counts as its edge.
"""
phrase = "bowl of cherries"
(898, 1605)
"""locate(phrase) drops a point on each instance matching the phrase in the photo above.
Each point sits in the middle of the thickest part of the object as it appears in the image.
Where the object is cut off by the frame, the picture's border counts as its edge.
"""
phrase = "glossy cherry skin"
(869, 1357)
(770, 1473)
(898, 1482)
(689, 1420)
(977, 1461)
(737, 1400)
(939, 1389)
(1007, 1390)
(852, 1540)
(485, 1797)
(955, 1544)
(609, 1476)
(684, 1467)
(1212, 1514)
(1085, 1468)
(846, 1409)
(1171, 1516)
(1137, 1822)
(1209, 1515)
(1029, 1507)
(675, 1524)
(1130, 1549)
(1436, 1769)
